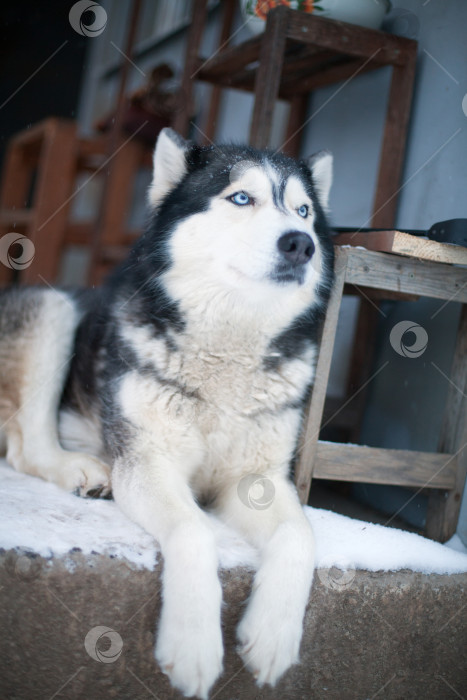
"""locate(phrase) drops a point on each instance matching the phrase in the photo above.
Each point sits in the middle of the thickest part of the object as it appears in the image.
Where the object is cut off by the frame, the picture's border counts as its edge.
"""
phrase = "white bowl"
(366, 13)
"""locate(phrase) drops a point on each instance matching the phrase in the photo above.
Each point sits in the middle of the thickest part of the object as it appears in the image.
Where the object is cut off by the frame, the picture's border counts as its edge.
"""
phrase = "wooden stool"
(39, 184)
(444, 472)
(45, 153)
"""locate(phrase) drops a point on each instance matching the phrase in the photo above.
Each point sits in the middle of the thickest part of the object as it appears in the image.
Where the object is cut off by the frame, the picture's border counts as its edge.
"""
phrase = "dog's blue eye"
(303, 211)
(241, 198)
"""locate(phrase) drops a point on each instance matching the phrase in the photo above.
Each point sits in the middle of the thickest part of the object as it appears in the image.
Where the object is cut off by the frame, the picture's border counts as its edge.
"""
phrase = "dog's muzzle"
(296, 250)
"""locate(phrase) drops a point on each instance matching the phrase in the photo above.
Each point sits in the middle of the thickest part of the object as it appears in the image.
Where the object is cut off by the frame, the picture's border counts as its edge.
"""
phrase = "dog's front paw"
(85, 475)
(269, 642)
(191, 658)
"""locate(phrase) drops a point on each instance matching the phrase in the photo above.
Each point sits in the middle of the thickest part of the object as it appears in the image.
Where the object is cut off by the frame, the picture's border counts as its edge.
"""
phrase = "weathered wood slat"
(216, 92)
(306, 59)
(309, 441)
(51, 200)
(348, 38)
(16, 217)
(231, 59)
(395, 135)
(328, 75)
(268, 76)
(405, 244)
(430, 279)
(182, 119)
(443, 508)
(377, 465)
(297, 116)
(240, 80)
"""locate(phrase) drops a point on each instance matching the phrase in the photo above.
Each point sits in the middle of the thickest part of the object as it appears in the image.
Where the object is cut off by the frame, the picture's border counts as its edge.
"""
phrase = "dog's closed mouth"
(285, 273)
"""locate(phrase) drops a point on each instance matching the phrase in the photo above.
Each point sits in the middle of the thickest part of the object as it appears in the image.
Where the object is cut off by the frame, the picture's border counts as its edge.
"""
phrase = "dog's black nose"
(296, 247)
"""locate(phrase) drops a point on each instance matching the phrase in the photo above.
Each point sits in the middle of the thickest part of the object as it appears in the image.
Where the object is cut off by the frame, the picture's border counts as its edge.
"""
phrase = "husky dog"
(181, 383)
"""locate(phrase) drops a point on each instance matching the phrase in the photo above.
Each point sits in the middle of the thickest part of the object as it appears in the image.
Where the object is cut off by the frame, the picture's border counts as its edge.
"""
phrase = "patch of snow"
(456, 543)
(39, 516)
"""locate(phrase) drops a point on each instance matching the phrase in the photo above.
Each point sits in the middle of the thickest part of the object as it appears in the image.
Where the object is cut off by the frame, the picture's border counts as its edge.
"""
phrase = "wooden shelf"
(296, 54)
(334, 51)
(405, 244)
(377, 465)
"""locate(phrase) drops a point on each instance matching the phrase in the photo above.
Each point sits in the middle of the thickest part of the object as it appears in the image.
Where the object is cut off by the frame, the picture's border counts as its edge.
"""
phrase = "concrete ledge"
(386, 635)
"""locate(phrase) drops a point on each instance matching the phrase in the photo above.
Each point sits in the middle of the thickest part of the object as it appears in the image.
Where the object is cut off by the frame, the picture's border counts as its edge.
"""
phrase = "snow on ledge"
(38, 516)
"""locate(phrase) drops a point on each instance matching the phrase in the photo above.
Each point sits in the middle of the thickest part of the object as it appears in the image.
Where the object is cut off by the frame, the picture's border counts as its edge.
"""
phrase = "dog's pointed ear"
(169, 164)
(321, 171)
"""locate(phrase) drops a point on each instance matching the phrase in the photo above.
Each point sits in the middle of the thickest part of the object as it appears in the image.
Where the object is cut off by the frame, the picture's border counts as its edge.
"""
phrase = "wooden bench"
(444, 472)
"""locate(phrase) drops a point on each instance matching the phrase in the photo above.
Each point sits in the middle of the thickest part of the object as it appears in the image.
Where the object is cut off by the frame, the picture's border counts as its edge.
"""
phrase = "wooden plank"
(115, 202)
(97, 145)
(399, 274)
(79, 233)
(229, 60)
(301, 72)
(309, 441)
(405, 244)
(16, 180)
(302, 60)
(216, 92)
(182, 119)
(393, 147)
(291, 85)
(328, 75)
(348, 39)
(268, 75)
(56, 171)
(443, 508)
(6, 274)
(242, 80)
(38, 132)
(293, 135)
(11, 218)
(376, 465)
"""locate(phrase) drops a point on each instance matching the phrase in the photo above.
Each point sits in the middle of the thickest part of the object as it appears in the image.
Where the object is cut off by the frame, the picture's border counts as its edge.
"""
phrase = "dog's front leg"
(151, 489)
(271, 629)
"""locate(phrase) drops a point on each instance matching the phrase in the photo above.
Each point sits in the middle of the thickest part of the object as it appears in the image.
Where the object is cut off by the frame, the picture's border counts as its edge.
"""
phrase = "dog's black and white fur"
(187, 372)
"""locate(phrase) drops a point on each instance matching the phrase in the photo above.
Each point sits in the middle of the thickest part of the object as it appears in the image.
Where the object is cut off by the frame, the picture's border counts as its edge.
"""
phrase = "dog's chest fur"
(216, 395)
(227, 373)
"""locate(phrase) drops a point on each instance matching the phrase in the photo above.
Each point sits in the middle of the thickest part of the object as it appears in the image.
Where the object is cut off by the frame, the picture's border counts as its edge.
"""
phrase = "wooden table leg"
(295, 124)
(56, 172)
(444, 506)
(182, 120)
(309, 442)
(393, 148)
(115, 203)
(16, 179)
(268, 77)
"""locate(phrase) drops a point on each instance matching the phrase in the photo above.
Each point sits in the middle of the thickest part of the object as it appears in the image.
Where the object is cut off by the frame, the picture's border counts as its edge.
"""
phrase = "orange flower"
(263, 6)
(307, 6)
